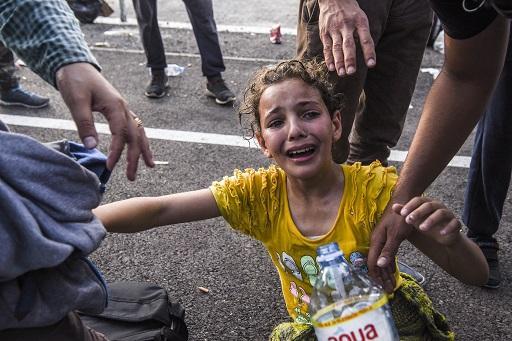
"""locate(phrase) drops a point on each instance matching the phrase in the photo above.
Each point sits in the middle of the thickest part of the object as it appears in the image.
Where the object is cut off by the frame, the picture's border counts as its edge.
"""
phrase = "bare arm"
(453, 107)
(143, 213)
(47, 36)
(437, 234)
(463, 260)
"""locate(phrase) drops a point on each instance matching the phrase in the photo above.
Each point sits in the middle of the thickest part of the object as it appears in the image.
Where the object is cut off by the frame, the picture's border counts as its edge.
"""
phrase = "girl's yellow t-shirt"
(256, 203)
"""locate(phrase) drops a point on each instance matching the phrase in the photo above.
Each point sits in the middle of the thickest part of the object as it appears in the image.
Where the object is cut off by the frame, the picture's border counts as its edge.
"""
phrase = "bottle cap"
(328, 248)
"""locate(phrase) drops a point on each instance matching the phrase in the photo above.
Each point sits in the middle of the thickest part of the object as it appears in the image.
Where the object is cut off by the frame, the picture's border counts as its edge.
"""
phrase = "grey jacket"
(46, 230)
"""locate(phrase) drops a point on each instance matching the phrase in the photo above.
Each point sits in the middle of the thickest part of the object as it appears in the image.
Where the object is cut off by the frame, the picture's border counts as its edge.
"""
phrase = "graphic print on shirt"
(279, 260)
(289, 264)
(301, 302)
(301, 299)
(309, 266)
(359, 261)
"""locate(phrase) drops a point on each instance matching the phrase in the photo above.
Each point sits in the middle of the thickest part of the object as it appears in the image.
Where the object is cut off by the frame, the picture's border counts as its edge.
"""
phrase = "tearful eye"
(275, 124)
(311, 114)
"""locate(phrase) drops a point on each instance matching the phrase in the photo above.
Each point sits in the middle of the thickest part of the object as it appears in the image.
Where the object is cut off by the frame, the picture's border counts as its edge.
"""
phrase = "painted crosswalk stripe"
(181, 135)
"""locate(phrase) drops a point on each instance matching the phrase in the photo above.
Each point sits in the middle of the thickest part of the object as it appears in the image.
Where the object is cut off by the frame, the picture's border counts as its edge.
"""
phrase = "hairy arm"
(143, 213)
(453, 107)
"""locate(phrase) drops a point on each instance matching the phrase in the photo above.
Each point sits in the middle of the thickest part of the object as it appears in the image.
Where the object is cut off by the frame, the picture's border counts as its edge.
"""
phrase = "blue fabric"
(491, 161)
(93, 160)
(46, 229)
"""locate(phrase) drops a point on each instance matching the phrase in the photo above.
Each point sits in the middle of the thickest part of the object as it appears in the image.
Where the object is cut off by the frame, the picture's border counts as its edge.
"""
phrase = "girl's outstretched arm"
(143, 213)
(437, 234)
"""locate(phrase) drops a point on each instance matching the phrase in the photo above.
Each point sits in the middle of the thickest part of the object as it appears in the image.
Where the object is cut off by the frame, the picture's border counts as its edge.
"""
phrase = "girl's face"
(297, 130)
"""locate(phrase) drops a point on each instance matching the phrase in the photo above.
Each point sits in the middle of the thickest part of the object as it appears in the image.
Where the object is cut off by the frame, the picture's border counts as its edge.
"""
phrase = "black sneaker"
(216, 88)
(158, 85)
(20, 97)
(418, 277)
(490, 251)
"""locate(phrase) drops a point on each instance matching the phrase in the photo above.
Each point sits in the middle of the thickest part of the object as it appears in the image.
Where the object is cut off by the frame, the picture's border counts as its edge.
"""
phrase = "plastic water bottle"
(345, 304)
(174, 70)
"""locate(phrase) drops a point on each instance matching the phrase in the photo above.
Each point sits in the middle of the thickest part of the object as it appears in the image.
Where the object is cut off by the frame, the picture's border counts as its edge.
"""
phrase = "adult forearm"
(451, 112)
(454, 105)
(45, 34)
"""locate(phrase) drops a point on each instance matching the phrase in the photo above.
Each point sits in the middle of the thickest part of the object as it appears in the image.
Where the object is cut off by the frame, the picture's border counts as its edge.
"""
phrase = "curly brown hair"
(312, 72)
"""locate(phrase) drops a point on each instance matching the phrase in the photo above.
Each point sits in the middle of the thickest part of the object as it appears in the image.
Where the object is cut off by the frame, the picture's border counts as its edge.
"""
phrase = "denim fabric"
(400, 30)
(491, 161)
(93, 160)
(46, 229)
(200, 13)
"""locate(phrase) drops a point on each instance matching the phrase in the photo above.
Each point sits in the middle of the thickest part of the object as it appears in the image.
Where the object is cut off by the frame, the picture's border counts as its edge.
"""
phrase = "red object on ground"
(275, 34)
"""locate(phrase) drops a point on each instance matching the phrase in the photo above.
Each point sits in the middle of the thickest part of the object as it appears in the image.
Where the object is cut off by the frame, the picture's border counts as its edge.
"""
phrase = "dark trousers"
(400, 29)
(7, 68)
(200, 13)
(491, 161)
(70, 328)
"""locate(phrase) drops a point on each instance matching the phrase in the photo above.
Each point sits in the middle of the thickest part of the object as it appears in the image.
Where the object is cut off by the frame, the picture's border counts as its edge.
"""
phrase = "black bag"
(85, 10)
(138, 312)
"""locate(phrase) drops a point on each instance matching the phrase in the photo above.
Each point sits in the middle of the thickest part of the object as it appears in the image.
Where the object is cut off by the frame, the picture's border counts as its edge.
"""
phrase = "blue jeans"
(491, 161)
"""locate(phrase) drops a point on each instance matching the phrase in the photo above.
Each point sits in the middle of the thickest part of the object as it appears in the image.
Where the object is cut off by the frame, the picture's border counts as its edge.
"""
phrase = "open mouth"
(298, 153)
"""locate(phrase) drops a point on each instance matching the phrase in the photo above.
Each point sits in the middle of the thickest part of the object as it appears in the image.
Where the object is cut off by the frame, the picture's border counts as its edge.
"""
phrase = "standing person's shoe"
(490, 251)
(216, 88)
(20, 97)
(158, 85)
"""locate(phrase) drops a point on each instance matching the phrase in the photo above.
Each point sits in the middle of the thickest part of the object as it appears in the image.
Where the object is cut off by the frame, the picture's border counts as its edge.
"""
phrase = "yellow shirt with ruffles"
(255, 202)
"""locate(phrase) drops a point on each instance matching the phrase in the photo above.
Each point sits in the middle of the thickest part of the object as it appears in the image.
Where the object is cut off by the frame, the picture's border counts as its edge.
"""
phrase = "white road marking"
(181, 136)
(181, 25)
(180, 54)
(433, 71)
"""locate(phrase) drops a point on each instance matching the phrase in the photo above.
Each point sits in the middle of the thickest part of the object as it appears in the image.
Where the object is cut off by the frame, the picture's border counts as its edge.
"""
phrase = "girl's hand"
(432, 218)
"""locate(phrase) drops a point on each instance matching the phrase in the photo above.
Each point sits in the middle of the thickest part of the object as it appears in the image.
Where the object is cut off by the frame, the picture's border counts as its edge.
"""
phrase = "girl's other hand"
(432, 218)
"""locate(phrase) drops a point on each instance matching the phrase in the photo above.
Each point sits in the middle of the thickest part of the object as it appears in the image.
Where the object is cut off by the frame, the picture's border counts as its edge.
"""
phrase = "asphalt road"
(244, 300)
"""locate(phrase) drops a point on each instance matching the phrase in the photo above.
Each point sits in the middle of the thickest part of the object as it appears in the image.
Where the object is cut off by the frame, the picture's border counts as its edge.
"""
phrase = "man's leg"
(309, 46)
(147, 19)
(200, 13)
(490, 171)
(390, 85)
(7, 78)
(11, 93)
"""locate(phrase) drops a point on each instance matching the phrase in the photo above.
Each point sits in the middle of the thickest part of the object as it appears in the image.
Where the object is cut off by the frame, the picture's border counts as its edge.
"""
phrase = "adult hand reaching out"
(386, 239)
(85, 90)
(341, 24)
